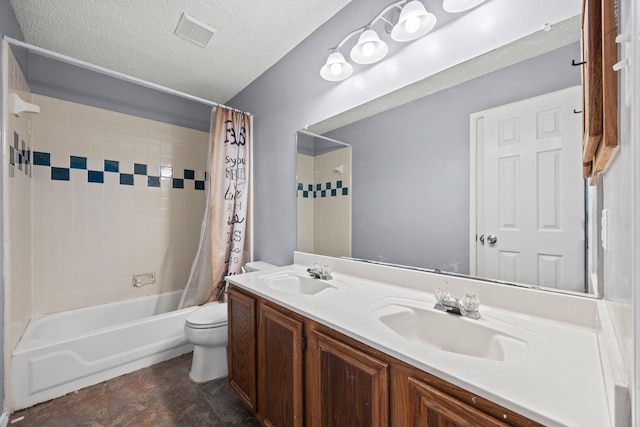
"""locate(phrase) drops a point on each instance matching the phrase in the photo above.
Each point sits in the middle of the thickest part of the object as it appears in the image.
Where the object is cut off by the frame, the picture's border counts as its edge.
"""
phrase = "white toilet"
(206, 329)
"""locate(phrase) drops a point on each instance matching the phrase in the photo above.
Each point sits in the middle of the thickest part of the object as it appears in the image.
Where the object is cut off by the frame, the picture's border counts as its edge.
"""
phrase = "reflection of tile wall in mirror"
(323, 196)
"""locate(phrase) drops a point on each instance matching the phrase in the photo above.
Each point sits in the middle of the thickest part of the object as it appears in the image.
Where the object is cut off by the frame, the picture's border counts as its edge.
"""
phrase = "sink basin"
(418, 323)
(296, 283)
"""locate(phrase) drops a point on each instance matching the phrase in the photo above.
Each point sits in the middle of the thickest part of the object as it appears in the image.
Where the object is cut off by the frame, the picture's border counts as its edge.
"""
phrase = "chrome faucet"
(323, 273)
(468, 307)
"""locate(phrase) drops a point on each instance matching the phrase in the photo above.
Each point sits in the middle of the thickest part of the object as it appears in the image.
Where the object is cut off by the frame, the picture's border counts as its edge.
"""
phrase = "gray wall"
(411, 164)
(63, 81)
(284, 99)
(8, 26)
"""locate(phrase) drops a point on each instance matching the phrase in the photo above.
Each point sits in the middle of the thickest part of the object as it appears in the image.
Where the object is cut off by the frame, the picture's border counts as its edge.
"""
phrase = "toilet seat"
(212, 315)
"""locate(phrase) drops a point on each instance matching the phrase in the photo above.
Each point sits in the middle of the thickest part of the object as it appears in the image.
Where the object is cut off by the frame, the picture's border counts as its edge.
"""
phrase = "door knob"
(491, 239)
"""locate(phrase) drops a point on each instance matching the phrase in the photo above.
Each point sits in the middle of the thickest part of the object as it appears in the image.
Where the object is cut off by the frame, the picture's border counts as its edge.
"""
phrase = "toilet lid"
(210, 315)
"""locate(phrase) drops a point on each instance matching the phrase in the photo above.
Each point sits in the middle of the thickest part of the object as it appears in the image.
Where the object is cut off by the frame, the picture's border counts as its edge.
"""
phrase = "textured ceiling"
(137, 37)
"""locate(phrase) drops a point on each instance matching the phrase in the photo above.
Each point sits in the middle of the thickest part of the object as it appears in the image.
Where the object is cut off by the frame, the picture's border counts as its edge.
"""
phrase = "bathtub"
(63, 352)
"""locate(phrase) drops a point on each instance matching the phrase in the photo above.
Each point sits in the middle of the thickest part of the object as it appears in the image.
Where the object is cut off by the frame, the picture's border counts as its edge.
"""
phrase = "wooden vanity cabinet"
(292, 371)
(345, 386)
(421, 399)
(241, 352)
(265, 359)
(280, 390)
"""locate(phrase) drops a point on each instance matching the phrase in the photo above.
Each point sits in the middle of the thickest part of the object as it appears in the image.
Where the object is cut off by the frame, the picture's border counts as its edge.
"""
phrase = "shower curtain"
(223, 233)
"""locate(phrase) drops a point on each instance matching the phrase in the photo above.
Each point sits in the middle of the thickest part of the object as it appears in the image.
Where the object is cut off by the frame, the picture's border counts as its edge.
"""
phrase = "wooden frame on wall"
(600, 86)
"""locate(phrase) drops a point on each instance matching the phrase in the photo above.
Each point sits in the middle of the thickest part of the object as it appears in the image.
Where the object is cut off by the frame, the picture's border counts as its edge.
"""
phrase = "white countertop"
(558, 383)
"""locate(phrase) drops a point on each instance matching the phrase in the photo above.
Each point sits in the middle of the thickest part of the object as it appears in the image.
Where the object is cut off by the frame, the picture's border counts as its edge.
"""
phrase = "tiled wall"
(304, 205)
(17, 184)
(324, 187)
(113, 195)
(91, 198)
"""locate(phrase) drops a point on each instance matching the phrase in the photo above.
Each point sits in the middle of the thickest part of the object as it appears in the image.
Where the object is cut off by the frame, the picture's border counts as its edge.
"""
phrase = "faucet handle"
(442, 294)
(326, 270)
(470, 302)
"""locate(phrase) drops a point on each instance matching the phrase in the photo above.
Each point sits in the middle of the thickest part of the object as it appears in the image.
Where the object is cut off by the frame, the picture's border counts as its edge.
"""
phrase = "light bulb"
(336, 69)
(412, 24)
(368, 49)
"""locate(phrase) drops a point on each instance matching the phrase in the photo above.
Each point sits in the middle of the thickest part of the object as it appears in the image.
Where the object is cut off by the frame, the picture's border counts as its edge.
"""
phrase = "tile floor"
(160, 395)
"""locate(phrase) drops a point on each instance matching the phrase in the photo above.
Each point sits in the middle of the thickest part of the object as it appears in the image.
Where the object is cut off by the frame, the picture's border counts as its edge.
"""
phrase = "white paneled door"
(530, 217)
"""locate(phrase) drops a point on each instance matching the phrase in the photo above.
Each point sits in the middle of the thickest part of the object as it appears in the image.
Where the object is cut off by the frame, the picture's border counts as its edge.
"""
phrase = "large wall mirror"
(448, 181)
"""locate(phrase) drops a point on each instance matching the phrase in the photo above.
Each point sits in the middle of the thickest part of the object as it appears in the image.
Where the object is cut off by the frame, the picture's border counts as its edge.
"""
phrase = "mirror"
(324, 195)
(415, 166)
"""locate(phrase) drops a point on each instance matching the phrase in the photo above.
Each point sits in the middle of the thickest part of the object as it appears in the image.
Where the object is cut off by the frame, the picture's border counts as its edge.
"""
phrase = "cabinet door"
(433, 408)
(242, 347)
(280, 367)
(345, 386)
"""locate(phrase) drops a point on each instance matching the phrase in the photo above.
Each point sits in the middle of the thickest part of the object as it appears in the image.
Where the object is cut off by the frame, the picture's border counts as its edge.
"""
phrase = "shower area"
(103, 200)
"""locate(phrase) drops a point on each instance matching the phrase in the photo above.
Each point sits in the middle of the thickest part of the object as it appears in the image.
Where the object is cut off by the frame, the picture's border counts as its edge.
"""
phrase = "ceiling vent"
(194, 31)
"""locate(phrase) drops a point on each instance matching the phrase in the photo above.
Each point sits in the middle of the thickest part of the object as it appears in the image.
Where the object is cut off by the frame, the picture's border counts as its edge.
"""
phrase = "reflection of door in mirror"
(530, 193)
(323, 195)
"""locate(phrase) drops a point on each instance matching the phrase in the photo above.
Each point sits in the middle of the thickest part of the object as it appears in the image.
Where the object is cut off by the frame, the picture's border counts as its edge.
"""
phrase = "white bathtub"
(63, 352)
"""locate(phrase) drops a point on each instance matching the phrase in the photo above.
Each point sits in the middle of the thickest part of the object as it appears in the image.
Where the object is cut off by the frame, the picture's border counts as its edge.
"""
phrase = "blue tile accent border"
(139, 169)
(95, 176)
(111, 166)
(60, 174)
(153, 181)
(330, 190)
(22, 156)
(126, 179)
(78, 162)
(41, 159)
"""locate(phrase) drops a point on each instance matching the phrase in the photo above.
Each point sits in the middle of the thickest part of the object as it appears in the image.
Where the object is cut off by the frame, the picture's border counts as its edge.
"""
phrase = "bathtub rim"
(28, 343)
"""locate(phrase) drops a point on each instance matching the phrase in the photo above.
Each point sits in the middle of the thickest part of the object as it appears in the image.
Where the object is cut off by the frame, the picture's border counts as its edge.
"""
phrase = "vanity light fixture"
(414, 22)
(369, 48)
(336, 68)
(455, 6)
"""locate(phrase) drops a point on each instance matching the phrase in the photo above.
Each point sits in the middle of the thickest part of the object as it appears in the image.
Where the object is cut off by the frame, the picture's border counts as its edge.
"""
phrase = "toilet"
(206, 329)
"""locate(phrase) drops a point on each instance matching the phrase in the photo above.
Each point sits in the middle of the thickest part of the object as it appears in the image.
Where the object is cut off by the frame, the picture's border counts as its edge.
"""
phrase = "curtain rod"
(315, 135)
(106, 71)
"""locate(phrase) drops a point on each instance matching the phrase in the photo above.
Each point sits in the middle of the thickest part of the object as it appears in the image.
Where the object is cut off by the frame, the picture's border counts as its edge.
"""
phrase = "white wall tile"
(90, 238)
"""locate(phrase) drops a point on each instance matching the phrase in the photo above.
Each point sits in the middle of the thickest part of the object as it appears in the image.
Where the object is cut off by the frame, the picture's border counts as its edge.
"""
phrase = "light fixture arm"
(380, 15)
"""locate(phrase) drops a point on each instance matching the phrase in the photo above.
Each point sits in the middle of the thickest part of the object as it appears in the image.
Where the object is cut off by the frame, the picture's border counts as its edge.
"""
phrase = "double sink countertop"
(546, 369)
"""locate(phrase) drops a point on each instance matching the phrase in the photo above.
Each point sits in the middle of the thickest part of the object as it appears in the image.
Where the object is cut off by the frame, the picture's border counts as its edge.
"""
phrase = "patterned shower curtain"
(232, 140)
(223, 233)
